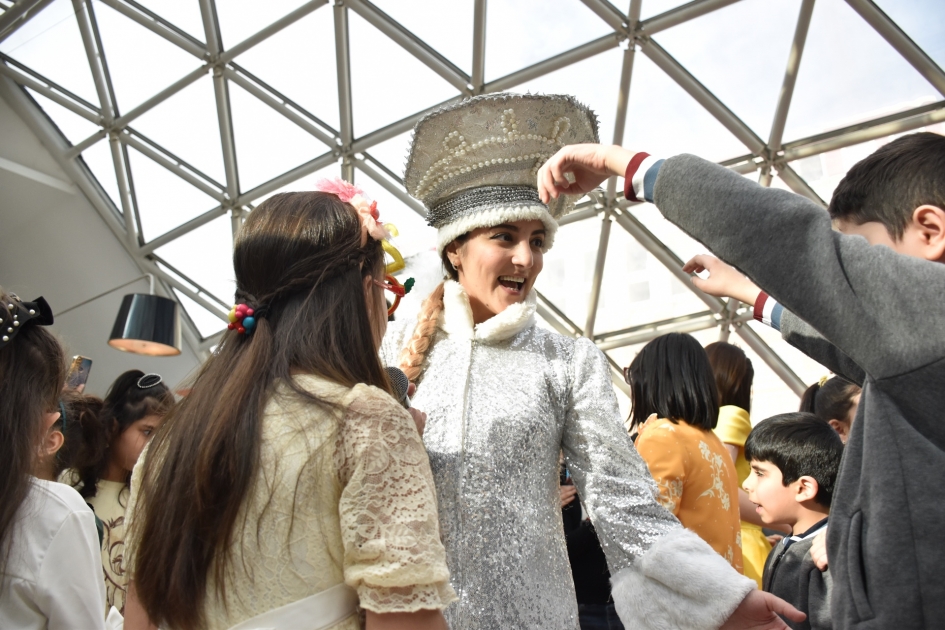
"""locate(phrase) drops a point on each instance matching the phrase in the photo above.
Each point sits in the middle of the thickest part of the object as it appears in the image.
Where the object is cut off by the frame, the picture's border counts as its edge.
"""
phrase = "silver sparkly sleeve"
(611, 478)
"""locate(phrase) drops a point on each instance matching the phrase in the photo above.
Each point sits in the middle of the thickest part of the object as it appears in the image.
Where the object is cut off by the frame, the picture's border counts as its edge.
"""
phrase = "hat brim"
(497, 216)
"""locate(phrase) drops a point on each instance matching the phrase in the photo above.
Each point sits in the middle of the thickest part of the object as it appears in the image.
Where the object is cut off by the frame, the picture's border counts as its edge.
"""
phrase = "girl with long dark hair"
(289, 484)
(49, 551)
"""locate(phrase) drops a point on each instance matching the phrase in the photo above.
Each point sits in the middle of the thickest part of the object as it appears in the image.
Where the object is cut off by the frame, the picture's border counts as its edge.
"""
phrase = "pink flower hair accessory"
(367, 210)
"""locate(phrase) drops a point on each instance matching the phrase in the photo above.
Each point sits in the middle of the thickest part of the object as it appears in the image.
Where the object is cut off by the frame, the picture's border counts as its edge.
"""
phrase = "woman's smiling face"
(498, 265)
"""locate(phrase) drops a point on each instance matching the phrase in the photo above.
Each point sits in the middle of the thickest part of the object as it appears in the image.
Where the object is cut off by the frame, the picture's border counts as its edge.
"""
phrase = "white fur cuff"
(679, 583)
(496, 216)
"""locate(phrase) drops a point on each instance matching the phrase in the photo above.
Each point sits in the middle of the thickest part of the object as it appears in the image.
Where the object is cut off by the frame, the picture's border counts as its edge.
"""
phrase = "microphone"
(400, 385)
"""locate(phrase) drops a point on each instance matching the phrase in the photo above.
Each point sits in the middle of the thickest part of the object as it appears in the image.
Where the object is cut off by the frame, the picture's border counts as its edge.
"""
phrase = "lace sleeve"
(393, 555)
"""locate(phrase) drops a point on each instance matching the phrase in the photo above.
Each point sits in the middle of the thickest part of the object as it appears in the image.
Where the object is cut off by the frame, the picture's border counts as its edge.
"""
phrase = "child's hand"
(818, 550)
(590, 164)
(760, 610)
(723, 281)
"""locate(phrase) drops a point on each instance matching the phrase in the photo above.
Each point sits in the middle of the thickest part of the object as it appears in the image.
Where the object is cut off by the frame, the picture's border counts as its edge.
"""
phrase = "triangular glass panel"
(520, 34)
(916, 18)
(205, 256)
(746, 82)
(636, 288)
(447, 31)
(98, 158)
(662, 118)
(182, 14)
(310, 42)
(50, 43)
(267, 143)
(141, 63)
(569, 268)
(186, 124)
(74, 128)
(380, 68)
(206, 322)
(240, 19)
(164, 199)
(393, 153)
(583, 81)
(850, 74)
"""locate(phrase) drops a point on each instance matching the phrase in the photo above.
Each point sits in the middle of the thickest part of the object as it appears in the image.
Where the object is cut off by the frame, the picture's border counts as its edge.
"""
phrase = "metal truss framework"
(352, 153)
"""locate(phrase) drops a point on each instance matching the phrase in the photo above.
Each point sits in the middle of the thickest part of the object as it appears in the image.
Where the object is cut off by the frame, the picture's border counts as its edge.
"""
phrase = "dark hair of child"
(672, 378)
(734, 374)
(889, 184)
(32, 371)
(98, 423)
(799, 444)
(82, 431)
(830, 401)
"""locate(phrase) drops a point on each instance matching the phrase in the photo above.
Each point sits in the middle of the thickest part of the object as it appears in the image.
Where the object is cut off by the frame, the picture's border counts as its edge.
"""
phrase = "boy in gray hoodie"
(794, 459)
(866, 301)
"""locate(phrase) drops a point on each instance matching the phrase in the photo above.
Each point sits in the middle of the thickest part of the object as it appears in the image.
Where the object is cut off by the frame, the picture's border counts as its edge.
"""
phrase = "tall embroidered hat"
(474, 164)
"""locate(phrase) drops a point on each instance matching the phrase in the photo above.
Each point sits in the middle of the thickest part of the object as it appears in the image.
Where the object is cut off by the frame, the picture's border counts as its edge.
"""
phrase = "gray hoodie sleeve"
(881, 309)
(802, 336)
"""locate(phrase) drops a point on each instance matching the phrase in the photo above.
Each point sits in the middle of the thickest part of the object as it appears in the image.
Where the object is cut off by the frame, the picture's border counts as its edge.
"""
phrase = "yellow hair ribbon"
(398, 263)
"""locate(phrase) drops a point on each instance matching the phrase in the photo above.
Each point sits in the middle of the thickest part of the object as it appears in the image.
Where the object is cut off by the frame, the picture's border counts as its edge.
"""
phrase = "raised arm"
(726, 281)
(861, 298)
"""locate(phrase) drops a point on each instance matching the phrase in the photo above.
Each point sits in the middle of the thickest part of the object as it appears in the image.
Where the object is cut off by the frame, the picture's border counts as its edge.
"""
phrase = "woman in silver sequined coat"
(505, 397)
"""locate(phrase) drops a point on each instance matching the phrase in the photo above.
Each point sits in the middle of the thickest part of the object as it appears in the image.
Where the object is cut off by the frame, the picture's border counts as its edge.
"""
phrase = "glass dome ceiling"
(175, 118)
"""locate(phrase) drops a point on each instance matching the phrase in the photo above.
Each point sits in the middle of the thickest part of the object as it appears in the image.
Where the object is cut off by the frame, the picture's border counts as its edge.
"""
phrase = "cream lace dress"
(341, 496)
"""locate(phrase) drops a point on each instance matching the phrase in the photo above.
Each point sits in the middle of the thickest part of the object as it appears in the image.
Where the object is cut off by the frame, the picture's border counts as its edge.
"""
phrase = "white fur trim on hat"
(496, 216)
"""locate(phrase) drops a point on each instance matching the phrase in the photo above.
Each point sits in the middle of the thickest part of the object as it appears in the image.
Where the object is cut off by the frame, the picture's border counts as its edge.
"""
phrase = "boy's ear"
(53, 442)
(929, 220)
(806, 489)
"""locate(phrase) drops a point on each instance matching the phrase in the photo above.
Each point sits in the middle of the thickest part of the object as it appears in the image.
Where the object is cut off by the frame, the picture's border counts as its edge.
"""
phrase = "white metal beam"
(579, 53)
(478, 78)
(221, 92)
(287, 20)
(412, 44)
(703, 96)
(345, 107)
(790, 76)
(18, 15)
(903, 44)
(681, 14)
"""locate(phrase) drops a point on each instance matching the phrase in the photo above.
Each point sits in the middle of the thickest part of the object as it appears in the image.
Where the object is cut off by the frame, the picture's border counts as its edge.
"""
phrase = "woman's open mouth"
(512, 284)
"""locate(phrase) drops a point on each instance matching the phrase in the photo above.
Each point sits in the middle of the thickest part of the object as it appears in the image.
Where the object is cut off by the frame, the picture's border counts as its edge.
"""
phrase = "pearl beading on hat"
(456, 146)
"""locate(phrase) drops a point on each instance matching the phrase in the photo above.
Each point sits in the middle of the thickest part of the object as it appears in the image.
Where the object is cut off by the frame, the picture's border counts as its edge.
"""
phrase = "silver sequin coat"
(503, 399)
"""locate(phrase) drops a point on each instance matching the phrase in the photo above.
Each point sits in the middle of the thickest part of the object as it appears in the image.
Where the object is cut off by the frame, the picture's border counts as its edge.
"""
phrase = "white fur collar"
(456, 319)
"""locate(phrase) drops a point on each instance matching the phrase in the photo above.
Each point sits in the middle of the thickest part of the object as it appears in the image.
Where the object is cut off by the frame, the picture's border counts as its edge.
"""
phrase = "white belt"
(319, 611)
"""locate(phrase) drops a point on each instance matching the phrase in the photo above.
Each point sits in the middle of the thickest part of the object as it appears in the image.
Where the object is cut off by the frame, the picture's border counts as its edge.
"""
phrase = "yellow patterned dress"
(696, 480)
(733, 428)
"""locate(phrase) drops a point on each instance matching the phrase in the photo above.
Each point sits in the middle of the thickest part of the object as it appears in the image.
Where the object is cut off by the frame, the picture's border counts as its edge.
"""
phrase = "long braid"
(412, 356)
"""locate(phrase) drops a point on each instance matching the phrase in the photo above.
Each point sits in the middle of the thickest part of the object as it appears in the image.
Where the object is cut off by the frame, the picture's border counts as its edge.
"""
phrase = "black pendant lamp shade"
(147, 324)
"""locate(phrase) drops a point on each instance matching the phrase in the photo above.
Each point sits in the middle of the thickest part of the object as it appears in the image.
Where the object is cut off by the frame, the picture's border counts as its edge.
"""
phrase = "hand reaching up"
(589, 164)
(723, 281)
(759, 611)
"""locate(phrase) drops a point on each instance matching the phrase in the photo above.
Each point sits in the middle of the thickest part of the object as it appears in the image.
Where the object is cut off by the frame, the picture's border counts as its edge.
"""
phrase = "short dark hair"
(672, 378)
(890, 183)
(799, 444)
(734, 374)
